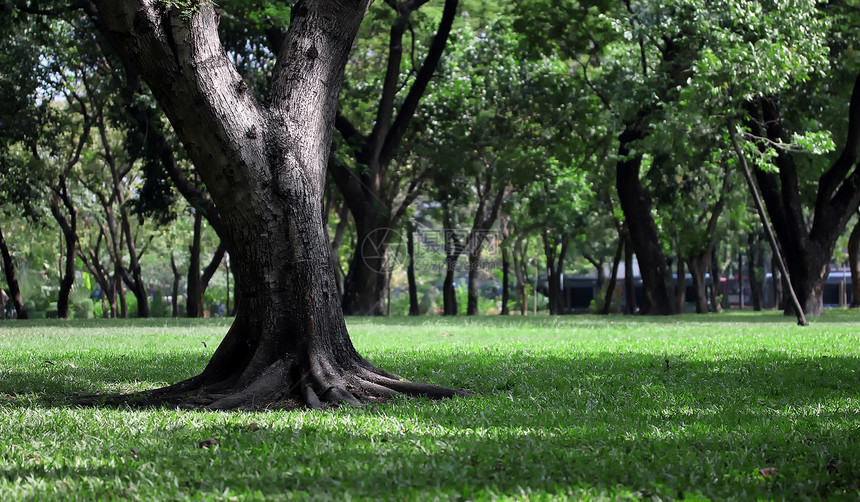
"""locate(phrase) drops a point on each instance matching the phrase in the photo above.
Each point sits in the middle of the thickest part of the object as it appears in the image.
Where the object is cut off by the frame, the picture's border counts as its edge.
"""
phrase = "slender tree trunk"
(811, 299)
(505, 281)
(755, 271)
(174, 303)
(12, 279)
(629, 279)
(555, 253)
(133, 275)
(449, 292)
(698, 269)
(472, 292)
(681, 286)
(68, 227)
(716, 283)
(336, 241)
(521, 275)
(194, 292)
(854, 264)
(410, 270)
(613, 276)
(120, 291)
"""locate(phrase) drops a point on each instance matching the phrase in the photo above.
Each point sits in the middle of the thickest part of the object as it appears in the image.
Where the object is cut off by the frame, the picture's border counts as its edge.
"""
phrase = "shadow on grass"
(624, 424)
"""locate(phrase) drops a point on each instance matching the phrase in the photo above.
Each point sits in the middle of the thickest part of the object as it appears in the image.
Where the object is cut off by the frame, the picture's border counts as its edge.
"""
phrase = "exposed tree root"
(282, 385)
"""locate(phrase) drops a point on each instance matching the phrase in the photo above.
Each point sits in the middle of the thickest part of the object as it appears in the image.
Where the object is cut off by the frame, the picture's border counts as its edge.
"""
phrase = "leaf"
(768, 472)
(209, 442)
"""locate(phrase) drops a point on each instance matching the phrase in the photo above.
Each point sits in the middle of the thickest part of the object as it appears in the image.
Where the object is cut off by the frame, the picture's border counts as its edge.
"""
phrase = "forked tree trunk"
(264, 165)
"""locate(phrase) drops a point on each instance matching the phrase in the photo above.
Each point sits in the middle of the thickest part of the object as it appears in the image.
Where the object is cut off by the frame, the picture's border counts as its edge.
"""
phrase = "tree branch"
(422, 80)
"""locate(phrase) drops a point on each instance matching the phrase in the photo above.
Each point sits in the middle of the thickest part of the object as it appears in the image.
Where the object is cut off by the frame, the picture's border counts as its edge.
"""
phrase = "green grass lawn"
(736, 406)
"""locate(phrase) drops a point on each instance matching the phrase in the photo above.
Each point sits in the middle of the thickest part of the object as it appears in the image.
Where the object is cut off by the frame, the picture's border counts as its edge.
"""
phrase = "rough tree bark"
(264, 164)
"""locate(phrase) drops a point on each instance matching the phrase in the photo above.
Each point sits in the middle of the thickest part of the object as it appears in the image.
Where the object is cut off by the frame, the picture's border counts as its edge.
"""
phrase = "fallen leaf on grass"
(209, 442)
(768, 472)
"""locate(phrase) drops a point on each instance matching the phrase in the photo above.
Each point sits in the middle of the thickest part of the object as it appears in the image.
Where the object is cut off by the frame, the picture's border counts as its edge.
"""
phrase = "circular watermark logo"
(380, 250)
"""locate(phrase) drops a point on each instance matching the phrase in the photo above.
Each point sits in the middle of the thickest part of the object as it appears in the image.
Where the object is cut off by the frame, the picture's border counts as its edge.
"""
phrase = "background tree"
(376, 189)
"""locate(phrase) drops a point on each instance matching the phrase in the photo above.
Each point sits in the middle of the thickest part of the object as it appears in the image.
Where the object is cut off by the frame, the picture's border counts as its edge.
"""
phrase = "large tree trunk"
(636, 204)
(12, 279)
(808, 249)
(367, 278)
(854, 264)
(264, 165)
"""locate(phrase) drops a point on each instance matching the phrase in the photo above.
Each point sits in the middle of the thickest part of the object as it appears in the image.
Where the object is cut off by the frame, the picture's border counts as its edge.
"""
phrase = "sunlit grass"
(563, 408)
